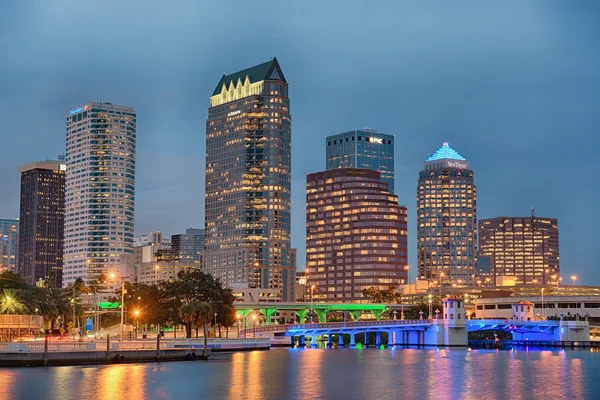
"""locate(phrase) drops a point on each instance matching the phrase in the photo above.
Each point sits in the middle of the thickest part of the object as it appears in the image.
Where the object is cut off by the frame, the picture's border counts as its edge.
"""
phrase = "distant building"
(158, 271)
(9, 242)
(248, 181)
(152, 238)
(363, 148)
(42, 222)
(525, 248)
(100, 189)
(356, 235)
(446, 220)
(188, 246)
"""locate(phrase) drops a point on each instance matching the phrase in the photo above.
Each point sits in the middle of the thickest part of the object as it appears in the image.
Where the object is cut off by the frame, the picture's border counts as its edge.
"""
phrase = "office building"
(248, 173)
(356, 235)
(153, 238)
(100, 189)
(363, 148)
(446, 220)
(188, 246)
(525, 248)
(42, 222)
(9, 242)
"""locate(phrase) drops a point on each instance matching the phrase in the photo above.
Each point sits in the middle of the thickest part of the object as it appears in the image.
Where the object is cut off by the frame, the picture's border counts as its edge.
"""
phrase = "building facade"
(100, 189)
(363, 148)
(42, 222)
(446, 220)
(356, 235)
(525, 248)
(248, 175)
(188, 246)
(9, 242)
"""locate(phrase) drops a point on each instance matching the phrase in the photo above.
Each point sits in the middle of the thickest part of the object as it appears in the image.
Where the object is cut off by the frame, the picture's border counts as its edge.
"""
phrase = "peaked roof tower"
(269, 70)
(446, 153)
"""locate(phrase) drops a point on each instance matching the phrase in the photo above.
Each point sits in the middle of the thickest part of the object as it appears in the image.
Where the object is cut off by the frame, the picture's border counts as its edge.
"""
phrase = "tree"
(10, 280)
(187, 312)
(226, 317)
(11, 302)
(202, 316)
(387, 296)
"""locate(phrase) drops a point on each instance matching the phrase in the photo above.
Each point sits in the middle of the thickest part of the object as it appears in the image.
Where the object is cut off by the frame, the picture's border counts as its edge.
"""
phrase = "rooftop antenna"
(532, 212)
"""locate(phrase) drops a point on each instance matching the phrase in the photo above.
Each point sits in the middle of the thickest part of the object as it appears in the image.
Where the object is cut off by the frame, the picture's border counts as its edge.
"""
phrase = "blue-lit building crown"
(446, 152)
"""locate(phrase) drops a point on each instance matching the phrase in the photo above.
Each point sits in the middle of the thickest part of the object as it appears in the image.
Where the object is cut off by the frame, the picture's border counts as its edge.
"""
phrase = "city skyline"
(513, 111)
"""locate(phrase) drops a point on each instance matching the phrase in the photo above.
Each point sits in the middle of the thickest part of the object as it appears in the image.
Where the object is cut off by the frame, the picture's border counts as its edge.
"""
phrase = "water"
(325, 374)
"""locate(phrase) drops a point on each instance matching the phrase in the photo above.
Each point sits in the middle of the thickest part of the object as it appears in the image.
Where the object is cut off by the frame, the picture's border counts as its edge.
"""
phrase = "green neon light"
(107, 304)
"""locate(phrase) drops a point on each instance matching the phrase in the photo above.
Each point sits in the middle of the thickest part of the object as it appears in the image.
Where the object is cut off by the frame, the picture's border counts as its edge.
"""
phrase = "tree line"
(194, 300)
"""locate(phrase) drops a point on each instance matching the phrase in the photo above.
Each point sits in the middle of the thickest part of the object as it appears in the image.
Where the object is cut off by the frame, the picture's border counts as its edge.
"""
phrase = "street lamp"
(573, 279)
(136, 313)
(215, 326)
(430, 309)
(122, 305)
(543, 309)
(312, 288)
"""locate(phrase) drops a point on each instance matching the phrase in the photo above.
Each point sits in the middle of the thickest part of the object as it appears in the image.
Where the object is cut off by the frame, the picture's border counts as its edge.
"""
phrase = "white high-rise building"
(100, 189)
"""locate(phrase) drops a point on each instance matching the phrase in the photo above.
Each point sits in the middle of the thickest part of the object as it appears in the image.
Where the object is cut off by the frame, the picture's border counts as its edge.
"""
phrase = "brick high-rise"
(356, 235)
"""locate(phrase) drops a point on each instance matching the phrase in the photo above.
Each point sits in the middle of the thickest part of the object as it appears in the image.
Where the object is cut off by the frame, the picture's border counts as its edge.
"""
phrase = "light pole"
(543, 309)
(312, 288)
(136, 313)
(122, 306)
(573, 279)
(215, 326)
(430, 309)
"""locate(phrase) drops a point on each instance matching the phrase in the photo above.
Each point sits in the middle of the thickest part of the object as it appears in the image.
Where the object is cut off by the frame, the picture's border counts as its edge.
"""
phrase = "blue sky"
(514, 86)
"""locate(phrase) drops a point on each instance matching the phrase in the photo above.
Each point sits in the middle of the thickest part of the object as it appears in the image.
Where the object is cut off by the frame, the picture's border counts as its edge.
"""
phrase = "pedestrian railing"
(327, 325)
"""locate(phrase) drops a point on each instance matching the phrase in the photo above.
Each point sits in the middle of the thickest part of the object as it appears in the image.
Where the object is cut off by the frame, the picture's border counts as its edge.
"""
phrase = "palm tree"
(11, 302)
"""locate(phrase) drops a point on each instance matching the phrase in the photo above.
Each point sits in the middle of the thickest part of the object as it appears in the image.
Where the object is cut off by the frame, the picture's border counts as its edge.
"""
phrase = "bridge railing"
(326, 325)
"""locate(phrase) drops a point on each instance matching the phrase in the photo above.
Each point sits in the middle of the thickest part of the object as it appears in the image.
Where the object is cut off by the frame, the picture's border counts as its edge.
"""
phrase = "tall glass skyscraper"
(100, 189)
(9, 241)
(248, 174)
(446, 219)
(42, 222)
(363, 148)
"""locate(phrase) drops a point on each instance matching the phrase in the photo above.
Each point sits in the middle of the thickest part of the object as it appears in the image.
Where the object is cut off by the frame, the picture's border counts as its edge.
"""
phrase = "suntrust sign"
(456, 164)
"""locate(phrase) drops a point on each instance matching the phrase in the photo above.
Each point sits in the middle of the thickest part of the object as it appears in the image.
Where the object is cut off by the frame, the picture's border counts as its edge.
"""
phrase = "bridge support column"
(268, 313)
(352, 344)
(377, 314)
(322, 314)
(366, 339)
(340, 341)
(313, 342)
(302, 315)
(329, 340)
(302, 343)
(292, 342)
(390, 341)
(355, 316)
(378, 339)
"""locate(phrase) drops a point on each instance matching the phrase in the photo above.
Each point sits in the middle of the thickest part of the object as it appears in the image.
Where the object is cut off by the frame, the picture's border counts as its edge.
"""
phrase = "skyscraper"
(248, 172)
(446, 219)
(363, 148)
(100, 189)
(188, 246)
(525, 248)
(42, 222)
(356, 235)
(9, 241)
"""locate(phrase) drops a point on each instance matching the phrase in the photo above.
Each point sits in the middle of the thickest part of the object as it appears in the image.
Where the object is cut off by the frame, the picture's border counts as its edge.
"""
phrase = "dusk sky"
(514, 86)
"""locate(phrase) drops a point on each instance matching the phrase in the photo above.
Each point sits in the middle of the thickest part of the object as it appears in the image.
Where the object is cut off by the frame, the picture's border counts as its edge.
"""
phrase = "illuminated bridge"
(449, 330)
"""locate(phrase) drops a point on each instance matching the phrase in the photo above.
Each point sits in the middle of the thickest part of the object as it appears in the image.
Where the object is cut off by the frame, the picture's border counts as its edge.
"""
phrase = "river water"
(325, 374)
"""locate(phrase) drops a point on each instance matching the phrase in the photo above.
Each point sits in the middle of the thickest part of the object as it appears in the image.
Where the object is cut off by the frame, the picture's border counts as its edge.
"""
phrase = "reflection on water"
(324, 374)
